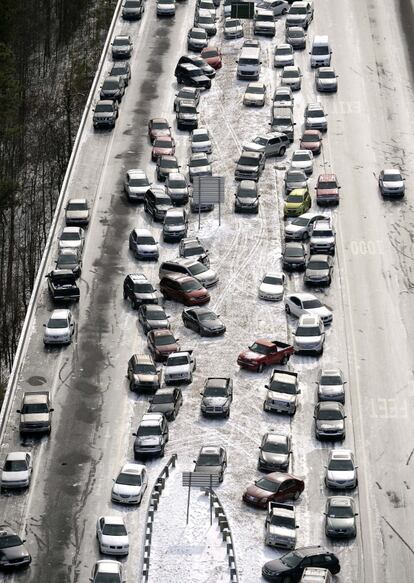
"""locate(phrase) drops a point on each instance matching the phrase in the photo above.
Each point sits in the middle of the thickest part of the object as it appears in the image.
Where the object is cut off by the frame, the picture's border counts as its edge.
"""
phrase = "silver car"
(165, 7)
(72, 238)
(309, 336)
(302, 160)
(130, 484)
(233, 28)
(77, 212)
(319, 270)
(200, 141)
(255, 94)
(272, 144)
(323, 237)
(300, 228)
(315, 117)
(295, 179)
(275, 451)
(60, 328)
(331, 385)
(136, 184)
(341, 471)
(283, 97)
(199, 165)
(391, 182)
(284, 55)
(17, 470)
(329, 420)
(282, 392)
(340, 516)
(281, 526)
(291, 77)
(143, 245)
(326, 80)
(122, 47)
(196, 39)
(176, 187)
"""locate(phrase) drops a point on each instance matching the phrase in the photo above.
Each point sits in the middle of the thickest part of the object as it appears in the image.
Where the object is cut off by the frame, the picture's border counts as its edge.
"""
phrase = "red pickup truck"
(264, 352)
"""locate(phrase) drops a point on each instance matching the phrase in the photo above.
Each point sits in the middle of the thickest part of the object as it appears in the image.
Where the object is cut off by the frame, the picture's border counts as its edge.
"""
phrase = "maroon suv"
(161, 344)
(184, 289)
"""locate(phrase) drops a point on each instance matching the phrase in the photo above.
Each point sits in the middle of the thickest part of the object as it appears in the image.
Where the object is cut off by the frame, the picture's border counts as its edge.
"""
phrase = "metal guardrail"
(225, 530)
(152, 508)
(24, 334)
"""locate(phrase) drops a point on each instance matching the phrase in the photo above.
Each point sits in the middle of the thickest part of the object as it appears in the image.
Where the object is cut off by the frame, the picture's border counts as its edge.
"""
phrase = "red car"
(327, 189)
(212, 56)
(185, 289)
(264, 352)
(157, 127)
(161, 344)
(311, 140)
(163, 146)
(275, 487)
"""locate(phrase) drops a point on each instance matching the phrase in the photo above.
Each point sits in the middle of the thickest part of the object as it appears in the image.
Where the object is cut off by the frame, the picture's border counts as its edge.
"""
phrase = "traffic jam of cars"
(190, 280)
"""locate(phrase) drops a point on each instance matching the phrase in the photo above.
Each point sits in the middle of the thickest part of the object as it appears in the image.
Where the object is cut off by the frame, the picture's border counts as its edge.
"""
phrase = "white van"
(321, 52)
(248, 64)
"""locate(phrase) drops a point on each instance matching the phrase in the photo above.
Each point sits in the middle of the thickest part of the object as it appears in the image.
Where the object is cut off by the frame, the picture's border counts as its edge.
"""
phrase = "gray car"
(122, 47)
(323, 237)
(59, 328)
(315, 117)
(192, 247)
(309, 336)
(187, 115)
(212, 459)
(136, 184)
(123, 70)
(247, 197)
(200, 141)
(77, 212)
(283, 55)
(341, 471)
(197, 39)
(153, 317)
(142, 373)
(192, 93)
(133, 9)
(175, 224)
(250, 166)
(300, 228)
(217, 397)
(176, 187)
(340, 516)
(272, 144)
(295, 179)
(326, 80)
(319, 270)
(291, 76)
(255, 94)
(151, 436)
(282, 120)
(143, 244)
(105, 114)
(391, 182)
(331, 385)
(296, 37)
(329, 420)
(275, 451)
(35, 412)
(112, 88)
(281, 526)
(199, 165)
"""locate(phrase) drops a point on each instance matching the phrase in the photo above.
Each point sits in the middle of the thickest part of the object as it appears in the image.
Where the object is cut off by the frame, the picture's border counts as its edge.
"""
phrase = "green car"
(297, 202)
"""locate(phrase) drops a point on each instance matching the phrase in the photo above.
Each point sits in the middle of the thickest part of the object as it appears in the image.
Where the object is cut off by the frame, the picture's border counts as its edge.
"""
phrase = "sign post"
(208, 190)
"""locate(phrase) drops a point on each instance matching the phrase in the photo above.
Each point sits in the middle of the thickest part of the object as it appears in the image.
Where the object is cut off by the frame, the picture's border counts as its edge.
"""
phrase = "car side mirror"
(44, 325)
(18, 411)
(299, 391)
(134, 434)
(50, 410)
(345, 416)
(266, 386)
(356, 513)
(294, 123)
(297, 526)
(356, 467)
(201, 393)
(194, 462)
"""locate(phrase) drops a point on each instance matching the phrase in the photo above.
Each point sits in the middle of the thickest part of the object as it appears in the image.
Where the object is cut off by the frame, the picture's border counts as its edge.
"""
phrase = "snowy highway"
(370, 126)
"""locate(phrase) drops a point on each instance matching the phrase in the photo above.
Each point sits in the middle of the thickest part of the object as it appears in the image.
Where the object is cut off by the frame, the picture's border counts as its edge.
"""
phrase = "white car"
(303, 303)
(60, 328)
(291, 76)
(17, 470)
(284, 55)
(283, 97)
(136, 184)
(309, 336)
(110, 571)
(233, 28)
(112, 535)
(391, 182)
(255, 94)
(200, 141)
(276, 6)
(302, 160)
(272, 287)
(165, 7)
(341, 471)
(72, 238)
(130, 485)
(199, 165)
(207, 5)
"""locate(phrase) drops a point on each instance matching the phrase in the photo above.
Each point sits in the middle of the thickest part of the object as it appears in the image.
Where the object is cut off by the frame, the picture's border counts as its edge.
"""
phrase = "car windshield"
(300, 222)
(208, 459)
(215, 392)
(163, 143)
(34, 408)
(300, 158)
(132, 4)
(283, 521)
(164, 340)
(255, 90)
(207, 316)
(327, 74)
(195, 73)
(283, 51)
(200, 137)
(198, 163)
(120, 42)
(15, 466)
(255, 347)
(340, 512)
(191, 285)
(146, 241)
(341, 465)
(119, 70)
(308, 331)
(319, 233)
(320, 50)
(109, 84)
(261, 141)
(281, 387)
(57, 323)
(163, 201)
(309, 304)
(160, 125)
(209, 54)
(204, 19)
(168, 163)
(145, 369)
(70, 236)
(295, 198)
(197, 268)
(292, 560)
(247, 161)
(327, 185)
(273, 280)
(282, 121)
(295, 177)
(114, 530)
(327, 379)
(177, 184)
(156, 315)
(162, 399)
(179, 360)
(129, 479)
(318, 265)
(330, 414)
(165, 1)
(282, 97)
(232, 23)
(66, 260)
(198, 34)
(190, 251)
(145, 430)
(275, 447)
(138, 181)
(392, 177)
(246, 192)
(171, 220)
(143, 288)
(295, 33)
(290, 74)
(77, 206)
(104, 108)
(9, 540)
(297, 10)
(315, 113)
(267, 484)
(293, 251)
(265, 18)
(310, 138)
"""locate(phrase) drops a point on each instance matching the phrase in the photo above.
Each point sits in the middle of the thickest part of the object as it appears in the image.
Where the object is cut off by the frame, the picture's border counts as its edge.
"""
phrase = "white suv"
(310, 335)
(323, 237)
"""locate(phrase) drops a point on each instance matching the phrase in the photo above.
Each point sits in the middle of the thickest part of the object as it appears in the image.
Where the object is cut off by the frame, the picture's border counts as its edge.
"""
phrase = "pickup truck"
(281, 526)
(282, 392)
(62, 285)
(264, 352)
(180, 367)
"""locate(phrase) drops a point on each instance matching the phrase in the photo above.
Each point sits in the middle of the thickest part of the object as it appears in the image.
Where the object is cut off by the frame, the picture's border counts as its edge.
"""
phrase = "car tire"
(285, 360)
(287, 309)
(136, 456)
(296, 495)
(228, 414)
(282, 151)
(260, 368)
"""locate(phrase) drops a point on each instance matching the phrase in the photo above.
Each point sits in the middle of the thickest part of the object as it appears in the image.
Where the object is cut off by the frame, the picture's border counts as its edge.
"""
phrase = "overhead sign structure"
(242, 10)
(200, 480)
(208, 191)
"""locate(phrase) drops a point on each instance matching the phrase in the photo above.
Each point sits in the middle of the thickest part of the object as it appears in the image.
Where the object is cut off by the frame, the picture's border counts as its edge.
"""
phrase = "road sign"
(200, 480)
(242, 10)
(208, 189)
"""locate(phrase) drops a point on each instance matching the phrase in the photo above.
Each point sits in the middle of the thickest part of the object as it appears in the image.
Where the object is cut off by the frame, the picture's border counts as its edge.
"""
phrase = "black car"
(157, 202)
(204, 321)
(168, 401)
(294, 256)
(13, 553)
(62, 285)
(199, 62)
(289, 568)
(247, 197)
(153, 317)
(187, 115)
(139, 290)
(69, 259)
(191, 75)
(212, 459)
(113, 88)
